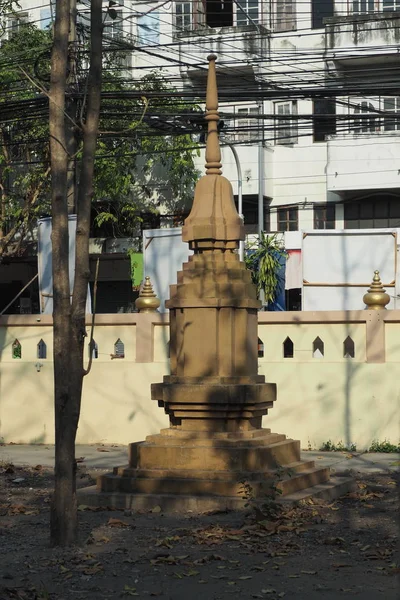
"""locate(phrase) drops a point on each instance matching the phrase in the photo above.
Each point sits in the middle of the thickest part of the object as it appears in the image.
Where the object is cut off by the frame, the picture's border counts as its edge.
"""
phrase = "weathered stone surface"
(182, 503)
(214, 396)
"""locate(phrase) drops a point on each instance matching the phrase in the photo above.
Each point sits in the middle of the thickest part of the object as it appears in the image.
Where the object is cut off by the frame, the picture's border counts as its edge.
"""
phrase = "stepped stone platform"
(198, 472)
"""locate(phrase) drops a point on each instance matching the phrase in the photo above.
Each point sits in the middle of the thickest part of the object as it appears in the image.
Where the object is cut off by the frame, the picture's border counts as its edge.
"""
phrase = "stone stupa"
(214, 396)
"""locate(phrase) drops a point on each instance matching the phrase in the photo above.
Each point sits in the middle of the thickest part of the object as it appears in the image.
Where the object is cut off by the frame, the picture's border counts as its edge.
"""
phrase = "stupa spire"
(213, 222)
(213, 150)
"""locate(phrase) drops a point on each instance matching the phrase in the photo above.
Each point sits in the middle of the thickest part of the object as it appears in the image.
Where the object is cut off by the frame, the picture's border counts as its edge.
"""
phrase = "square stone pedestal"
(198, 471)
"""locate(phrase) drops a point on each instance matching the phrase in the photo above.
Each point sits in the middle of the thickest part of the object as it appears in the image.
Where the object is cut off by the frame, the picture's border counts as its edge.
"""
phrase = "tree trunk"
(63, 521)
(69, 319)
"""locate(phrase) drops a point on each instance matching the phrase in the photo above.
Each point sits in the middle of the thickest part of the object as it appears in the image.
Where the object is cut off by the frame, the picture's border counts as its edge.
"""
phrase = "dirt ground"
(321, 550)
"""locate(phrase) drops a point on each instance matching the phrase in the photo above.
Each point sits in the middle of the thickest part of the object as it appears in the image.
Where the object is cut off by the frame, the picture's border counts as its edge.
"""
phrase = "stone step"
(182, 503)
(304, 480)
(126, 471)
(196, 442)
(334, 488)
(247, 458)
(152, 482)
(169, 503)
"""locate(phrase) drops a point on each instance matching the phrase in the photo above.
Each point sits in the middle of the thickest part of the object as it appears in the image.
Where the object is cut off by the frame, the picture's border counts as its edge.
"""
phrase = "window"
(16, 349)
(247, 12)
(324, 119)
(366, 122)
(288, 348)
(247, 127)
(288, 219)
(318, 348)
(324, 216)
(378, 114)
(42, 349)
(17, 21)
(119, 349)
(149, 28)
(320, 9)
(219, 13)
(348, 348)
(286, 123)
(46, 19)
(250, 213)
(216, 13)
(373, 212)
(285, 15)
(183, 15)
(113, 26)
(391, 105)
(362, 7)
(390, 5)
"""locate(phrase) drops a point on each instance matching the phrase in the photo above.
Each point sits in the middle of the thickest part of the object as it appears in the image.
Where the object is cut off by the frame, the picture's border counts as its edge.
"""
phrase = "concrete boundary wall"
(336, 371)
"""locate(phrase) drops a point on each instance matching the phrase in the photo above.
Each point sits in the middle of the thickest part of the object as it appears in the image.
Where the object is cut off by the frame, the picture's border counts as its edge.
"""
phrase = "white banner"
(45, 264)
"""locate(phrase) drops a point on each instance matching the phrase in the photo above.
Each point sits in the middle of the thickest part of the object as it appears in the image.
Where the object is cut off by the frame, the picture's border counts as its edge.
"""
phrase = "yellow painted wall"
(319, 399)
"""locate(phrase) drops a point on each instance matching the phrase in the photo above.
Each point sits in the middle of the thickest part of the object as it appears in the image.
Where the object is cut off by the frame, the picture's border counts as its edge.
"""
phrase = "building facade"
(309, 98)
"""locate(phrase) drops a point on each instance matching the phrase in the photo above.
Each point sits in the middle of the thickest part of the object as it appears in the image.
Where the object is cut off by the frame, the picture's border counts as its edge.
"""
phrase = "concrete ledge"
(169, 503)
(330, 490)
(181, 503)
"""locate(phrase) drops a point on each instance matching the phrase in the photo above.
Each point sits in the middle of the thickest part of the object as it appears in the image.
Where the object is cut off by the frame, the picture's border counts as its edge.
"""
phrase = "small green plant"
(263, 259)
(136, 269)
(385, 446)
(330, 446)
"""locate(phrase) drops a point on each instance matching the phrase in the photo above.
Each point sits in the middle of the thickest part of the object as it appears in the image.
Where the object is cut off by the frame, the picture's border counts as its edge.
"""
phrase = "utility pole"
(240, 193)
(260, 174)
(71, 110)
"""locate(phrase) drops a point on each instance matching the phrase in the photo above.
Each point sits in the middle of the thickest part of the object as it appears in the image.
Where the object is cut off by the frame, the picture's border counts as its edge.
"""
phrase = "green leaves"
(264, 262)
(137, 167)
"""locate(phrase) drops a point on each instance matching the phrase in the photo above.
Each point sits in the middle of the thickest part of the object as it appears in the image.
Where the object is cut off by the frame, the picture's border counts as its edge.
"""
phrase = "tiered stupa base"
(182, 471)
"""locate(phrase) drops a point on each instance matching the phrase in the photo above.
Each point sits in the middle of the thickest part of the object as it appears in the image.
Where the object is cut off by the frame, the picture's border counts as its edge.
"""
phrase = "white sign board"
(45, 263)
(164, 253)
(338, 266)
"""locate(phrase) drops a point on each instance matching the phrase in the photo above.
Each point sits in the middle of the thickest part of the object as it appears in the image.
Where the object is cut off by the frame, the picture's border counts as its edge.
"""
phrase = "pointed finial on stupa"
(213, 222)
(147, 301)
(376, 297)
(213, 151)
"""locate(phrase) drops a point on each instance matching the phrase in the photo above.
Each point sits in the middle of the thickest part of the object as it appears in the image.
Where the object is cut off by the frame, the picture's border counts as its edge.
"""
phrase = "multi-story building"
(309, 97)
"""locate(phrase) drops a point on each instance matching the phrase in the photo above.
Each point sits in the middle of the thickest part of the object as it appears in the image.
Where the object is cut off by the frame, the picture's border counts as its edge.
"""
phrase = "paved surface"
(107, 457)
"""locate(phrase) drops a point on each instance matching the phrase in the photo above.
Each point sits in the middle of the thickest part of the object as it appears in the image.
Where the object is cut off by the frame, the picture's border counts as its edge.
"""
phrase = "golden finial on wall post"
(213, 151)
(147, 301)
(376, 297)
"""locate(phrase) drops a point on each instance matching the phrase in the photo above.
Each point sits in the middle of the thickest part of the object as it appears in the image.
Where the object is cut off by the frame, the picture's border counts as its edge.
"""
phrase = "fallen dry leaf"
(117, 523)
(309, 572)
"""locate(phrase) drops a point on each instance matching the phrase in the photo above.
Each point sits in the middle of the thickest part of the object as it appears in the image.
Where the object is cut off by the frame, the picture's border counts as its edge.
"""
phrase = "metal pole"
(260, 179)
(260, 186)
(240, 194)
